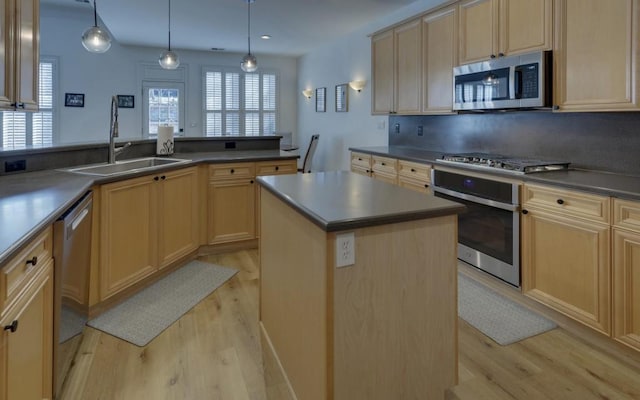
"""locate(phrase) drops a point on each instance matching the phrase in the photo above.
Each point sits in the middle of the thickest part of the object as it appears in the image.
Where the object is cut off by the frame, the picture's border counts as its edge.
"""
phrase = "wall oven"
(489, 230)
(507, 82)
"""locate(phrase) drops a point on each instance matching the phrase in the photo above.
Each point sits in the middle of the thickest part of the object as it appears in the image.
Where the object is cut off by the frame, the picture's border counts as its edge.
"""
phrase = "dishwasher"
(72, 255)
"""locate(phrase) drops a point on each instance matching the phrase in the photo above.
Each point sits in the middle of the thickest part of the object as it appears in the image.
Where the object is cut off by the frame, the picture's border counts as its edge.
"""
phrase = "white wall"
(100, 76)
(344, 60)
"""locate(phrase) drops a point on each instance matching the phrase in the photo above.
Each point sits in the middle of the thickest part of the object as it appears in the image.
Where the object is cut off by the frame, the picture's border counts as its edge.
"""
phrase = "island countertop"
(341, 200)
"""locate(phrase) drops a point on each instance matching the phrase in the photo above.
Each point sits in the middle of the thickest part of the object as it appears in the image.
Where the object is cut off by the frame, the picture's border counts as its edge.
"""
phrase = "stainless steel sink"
(135, 165)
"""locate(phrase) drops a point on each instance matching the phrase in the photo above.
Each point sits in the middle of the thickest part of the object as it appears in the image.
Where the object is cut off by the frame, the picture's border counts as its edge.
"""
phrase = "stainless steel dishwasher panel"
(72, 255)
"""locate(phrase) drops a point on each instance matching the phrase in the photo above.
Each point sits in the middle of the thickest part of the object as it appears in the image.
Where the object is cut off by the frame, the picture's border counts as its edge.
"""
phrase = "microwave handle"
(517, 82)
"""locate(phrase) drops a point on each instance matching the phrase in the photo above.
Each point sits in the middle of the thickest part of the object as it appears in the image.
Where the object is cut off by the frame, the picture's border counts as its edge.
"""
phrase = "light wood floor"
(213, 352)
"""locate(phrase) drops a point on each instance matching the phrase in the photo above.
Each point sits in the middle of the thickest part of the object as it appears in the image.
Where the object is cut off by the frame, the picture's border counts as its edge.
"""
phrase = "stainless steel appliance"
(522, 81)
(489, 231)
(72, 254)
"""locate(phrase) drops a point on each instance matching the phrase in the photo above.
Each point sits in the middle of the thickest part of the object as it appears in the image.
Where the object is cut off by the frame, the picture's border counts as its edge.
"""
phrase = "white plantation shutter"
(238, 103)
(20, 129)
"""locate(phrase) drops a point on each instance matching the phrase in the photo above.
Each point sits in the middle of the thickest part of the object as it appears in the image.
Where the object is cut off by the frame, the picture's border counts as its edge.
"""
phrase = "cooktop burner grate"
(503, 163)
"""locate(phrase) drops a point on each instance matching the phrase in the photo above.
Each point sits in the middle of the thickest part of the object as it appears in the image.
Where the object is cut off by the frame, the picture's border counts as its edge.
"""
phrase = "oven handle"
(476, 199)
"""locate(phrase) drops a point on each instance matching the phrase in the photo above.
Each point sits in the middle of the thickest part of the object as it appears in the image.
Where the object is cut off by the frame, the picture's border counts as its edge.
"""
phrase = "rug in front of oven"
(496, 316)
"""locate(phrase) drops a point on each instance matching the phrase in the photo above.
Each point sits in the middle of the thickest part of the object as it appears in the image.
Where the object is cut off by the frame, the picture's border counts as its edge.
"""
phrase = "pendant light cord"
(249, 25)
(169, 25)
(95, 14)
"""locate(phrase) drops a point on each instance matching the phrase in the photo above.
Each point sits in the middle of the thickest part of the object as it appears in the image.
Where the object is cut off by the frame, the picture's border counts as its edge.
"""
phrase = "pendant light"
(249, 62)
(168, 59)
(94, 39)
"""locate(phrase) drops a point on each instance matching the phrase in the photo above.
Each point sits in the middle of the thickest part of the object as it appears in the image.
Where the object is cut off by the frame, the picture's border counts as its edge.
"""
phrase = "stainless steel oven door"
(488, 235)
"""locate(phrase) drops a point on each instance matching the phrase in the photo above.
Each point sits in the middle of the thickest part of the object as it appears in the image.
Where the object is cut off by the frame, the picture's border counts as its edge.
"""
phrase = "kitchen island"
(384, 325)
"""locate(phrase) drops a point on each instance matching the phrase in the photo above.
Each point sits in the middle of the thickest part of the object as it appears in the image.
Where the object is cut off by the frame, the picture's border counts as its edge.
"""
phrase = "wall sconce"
(357, 85)
(307, 93)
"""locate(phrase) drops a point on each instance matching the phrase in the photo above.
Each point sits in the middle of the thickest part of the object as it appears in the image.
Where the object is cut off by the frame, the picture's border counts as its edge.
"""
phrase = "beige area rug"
(145, 315)
(496, 316)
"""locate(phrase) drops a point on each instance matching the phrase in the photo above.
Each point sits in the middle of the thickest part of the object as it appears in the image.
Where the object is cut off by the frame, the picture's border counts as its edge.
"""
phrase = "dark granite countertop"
(604, 183)
(31, 201)
(342, 200)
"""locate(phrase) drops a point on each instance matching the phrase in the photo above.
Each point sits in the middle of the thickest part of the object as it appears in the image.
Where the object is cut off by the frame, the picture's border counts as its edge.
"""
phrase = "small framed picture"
(125, 101)
(321, 100)
(74, 99)
(342, 98)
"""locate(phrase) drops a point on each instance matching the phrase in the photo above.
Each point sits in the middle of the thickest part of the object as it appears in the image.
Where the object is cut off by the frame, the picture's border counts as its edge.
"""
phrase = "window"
(238, 103)
(34, 129)
(163, 104)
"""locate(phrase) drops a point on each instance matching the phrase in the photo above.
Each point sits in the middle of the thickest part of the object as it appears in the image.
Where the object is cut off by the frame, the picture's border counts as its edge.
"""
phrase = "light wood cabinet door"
(525, 26)
(595, 55)
(408, 74)
(566, 265)
(382, 61)
(497, 28)
(128, 233)
(626, 287)
(440, 55)
(478, 30)
(231, 207)
(178, 215)
(26, 353)
(19, 54)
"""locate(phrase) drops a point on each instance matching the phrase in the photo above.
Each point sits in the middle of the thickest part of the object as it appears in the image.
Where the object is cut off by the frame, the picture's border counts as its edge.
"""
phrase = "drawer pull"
(13, 327)
(34, 261)
(560, 201)
(277, 168)
(155, 178)
(383, 164)
(426, 185)
(163, 177)
(413, 170)
(251, 181)
(359, 159)
(232, 170)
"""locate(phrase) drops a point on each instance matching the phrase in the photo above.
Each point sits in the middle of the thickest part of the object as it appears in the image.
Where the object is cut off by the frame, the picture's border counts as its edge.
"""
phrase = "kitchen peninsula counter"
(30, 201)
(382, 327)
(599, 182)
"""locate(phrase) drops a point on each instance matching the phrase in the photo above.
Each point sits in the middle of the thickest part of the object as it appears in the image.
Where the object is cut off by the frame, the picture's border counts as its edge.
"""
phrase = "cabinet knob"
(163, 177)
(555, 107)
(251, 181)
(277, 168)
(500, 54)
(383, 164)
(413, 170)
(560, 201)
(426, 185)
(493, 56)
(12, 327)
(525, 212)
(232, 170)
(33, 261)
(155, 178)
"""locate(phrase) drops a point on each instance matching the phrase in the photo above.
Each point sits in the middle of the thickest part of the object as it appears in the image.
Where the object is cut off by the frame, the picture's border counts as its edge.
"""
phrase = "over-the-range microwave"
(522, 81)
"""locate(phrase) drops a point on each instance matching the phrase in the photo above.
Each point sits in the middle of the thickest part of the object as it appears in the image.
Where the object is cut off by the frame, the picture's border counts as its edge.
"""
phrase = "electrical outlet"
(345, 249)
(420, 130)
(397, 127)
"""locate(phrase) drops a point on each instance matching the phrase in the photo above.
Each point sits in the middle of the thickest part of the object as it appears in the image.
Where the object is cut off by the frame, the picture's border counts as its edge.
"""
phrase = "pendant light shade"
(94, 39)
(249, 62)
(169, 59)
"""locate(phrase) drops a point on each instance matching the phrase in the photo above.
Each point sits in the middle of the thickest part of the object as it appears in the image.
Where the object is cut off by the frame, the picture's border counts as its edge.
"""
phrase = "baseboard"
(210, 249)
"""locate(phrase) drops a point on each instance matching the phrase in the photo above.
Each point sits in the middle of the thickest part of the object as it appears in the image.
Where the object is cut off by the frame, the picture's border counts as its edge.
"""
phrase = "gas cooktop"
(503, 163)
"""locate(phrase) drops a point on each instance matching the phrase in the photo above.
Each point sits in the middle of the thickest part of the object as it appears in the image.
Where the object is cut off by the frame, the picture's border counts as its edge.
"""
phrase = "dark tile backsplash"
(600, 141)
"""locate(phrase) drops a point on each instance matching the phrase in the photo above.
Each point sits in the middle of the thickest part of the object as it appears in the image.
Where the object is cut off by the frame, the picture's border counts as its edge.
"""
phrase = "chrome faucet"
(113, 132)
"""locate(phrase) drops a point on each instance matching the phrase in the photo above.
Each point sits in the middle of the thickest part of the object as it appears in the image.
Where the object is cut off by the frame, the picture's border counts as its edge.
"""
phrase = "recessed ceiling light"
(265, 37)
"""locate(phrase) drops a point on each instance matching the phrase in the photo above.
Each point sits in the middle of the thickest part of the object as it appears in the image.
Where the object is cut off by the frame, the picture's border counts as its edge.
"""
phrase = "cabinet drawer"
(413, 170)
(384, 165)
(413, 184)
(276, 167)
(17, 273)
(626, 214)
(231, 171)
(361, 160)
(566, 202)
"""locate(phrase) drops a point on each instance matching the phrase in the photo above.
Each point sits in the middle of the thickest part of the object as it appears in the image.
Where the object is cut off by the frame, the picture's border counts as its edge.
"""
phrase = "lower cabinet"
(566, 253)
(26, 344)
(626, 272)
(135, 214)
(231, 203)
(408, 174)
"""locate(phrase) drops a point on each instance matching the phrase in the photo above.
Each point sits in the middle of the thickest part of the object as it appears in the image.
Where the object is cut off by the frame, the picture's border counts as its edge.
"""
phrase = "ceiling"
(296, 26)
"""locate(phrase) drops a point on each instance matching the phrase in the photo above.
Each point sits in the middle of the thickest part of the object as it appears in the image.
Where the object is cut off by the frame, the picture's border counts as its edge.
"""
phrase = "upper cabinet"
(19, 54)
(396, 60)
(496, 28)
(595, 57)
(439, 56)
